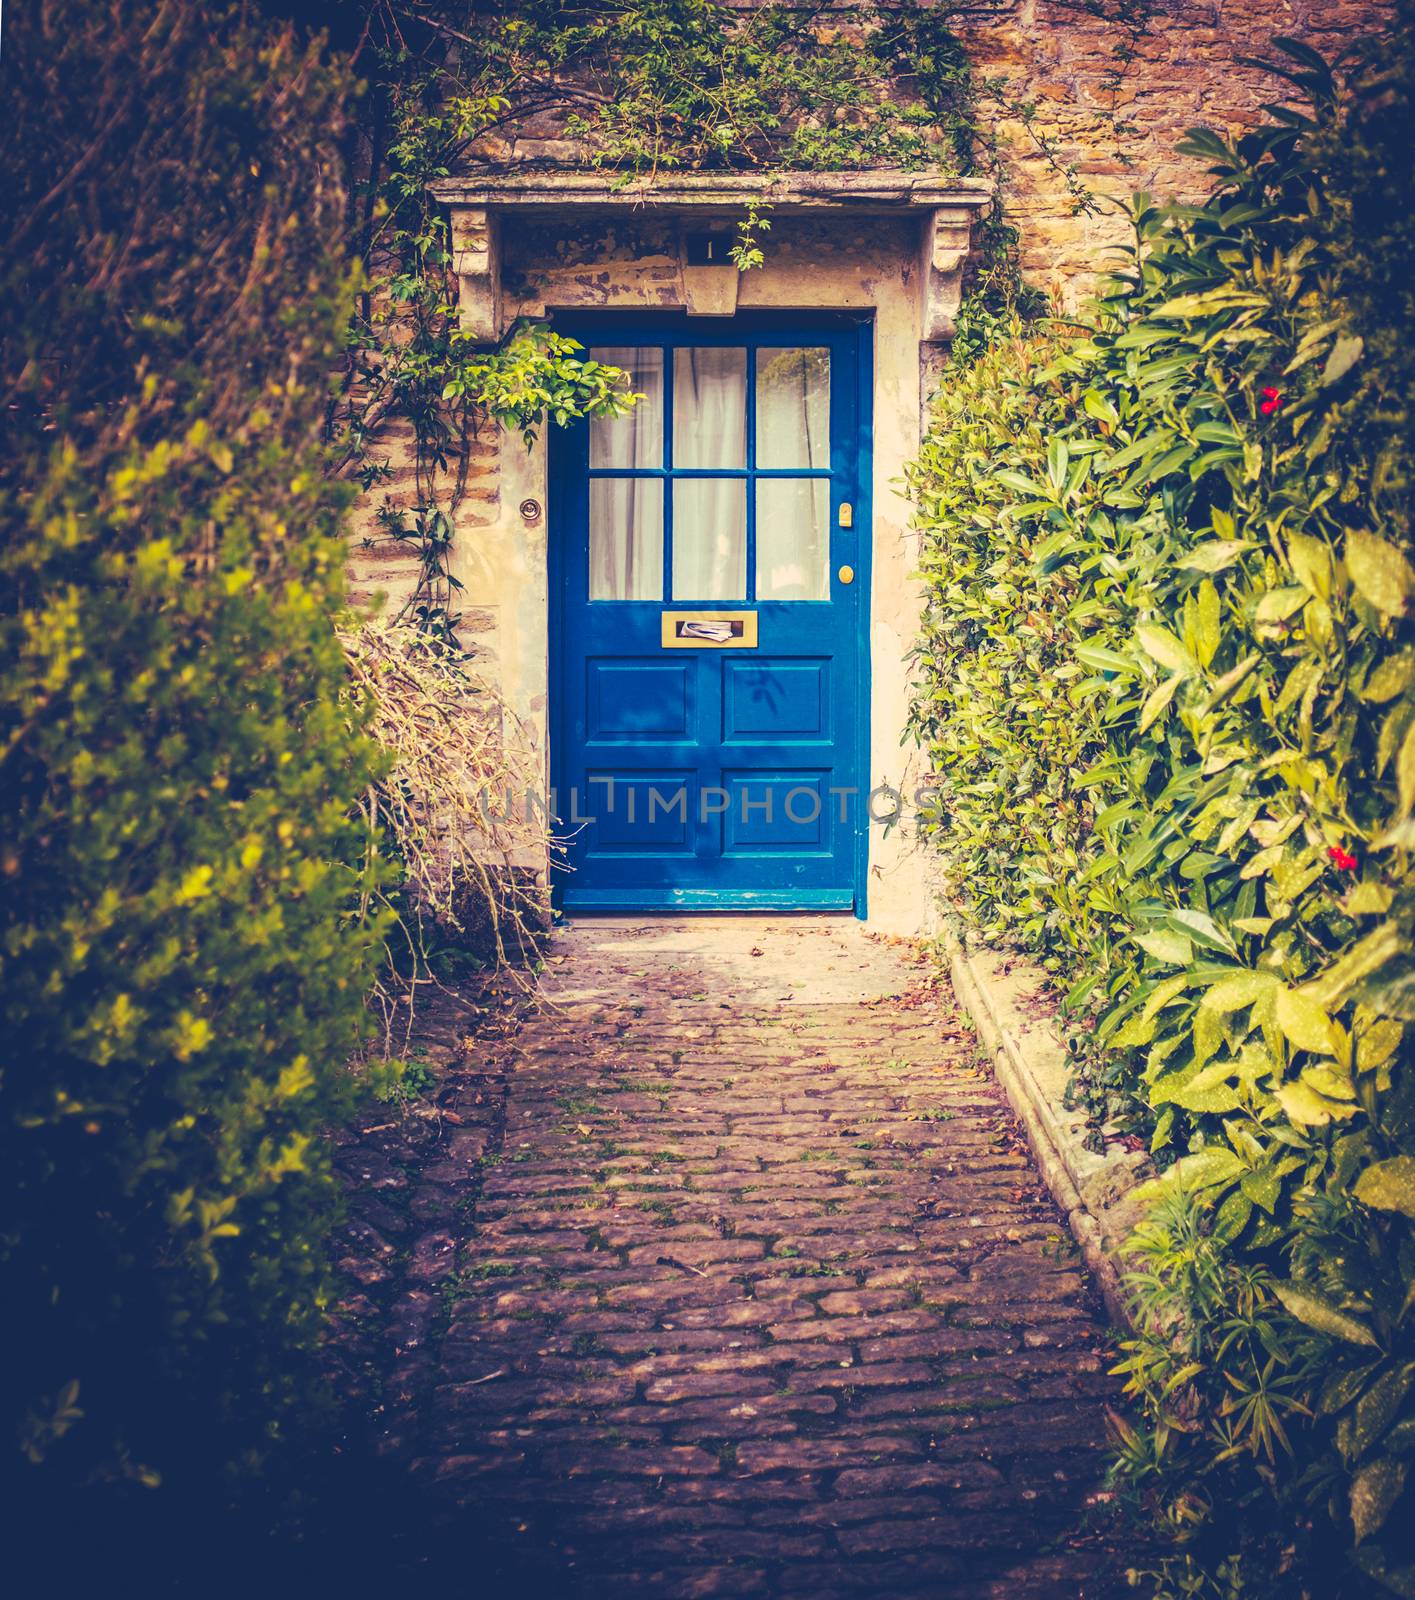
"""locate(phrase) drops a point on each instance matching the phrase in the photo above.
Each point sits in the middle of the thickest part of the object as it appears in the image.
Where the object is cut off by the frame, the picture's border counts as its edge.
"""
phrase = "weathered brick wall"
(379, 565)
(1115, 123)
(383, 571)
(1118, 124)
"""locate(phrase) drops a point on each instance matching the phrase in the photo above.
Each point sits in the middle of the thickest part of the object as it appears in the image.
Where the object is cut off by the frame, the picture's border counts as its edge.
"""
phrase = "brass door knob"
(846, 574)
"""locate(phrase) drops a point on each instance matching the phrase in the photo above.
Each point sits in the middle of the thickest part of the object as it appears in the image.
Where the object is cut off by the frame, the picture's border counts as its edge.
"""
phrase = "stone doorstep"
(1095, 1191)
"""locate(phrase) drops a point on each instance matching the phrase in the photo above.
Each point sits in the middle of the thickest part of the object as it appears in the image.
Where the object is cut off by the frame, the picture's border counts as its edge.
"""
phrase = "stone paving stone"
(734, 1277)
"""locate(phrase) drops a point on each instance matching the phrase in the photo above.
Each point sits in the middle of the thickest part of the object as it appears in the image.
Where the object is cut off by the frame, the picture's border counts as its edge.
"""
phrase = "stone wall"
(1117, 124)
(379, 566)
(383, 572)
(1114, 122)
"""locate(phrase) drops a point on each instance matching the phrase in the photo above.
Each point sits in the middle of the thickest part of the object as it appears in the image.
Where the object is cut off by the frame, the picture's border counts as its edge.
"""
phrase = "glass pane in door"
(636, 438)
(793, 408)
(710, 408)
(626, 539)
(709, 539)
(793, 539)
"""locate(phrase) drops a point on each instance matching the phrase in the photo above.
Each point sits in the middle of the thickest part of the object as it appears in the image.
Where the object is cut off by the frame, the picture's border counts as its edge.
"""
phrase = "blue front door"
(710, 563)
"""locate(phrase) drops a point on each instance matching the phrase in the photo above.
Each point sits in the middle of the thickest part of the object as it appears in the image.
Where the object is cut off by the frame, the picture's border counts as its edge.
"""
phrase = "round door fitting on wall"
(530, 510)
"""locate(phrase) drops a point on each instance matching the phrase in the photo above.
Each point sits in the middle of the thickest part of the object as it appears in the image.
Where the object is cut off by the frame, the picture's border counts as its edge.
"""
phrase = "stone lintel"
(946, 206)
(882, 189)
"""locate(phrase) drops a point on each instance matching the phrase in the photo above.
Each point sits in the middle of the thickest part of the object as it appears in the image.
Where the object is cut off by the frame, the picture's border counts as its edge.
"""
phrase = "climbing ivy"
(694, 84)
(408, 360)
(641, 87)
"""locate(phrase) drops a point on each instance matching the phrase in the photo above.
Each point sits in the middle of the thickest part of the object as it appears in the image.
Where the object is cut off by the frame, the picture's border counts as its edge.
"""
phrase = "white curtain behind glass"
(626, 514)
(793, 408)
(793, 539)
(793, 431)
(710, 514)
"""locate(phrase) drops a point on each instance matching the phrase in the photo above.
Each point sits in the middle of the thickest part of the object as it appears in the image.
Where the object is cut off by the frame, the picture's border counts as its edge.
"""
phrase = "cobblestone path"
(747, 1287)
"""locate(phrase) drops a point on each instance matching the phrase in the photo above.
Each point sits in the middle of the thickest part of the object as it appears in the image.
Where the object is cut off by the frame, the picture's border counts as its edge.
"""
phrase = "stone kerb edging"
(1095, 1191)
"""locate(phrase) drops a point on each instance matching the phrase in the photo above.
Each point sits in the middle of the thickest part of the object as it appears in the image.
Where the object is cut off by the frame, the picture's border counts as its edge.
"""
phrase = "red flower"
(1270, 400)
(1344, 862)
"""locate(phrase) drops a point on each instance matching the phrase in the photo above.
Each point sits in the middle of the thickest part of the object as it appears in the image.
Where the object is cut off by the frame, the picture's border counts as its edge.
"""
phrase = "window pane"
(626, 539)
(709, 539)
(709, 408)
(793, 408)
(636, 439)
(793, 539)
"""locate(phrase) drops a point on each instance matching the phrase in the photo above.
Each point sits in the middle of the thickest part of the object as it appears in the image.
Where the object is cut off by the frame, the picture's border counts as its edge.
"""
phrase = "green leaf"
(1304, 1022)
(1138, 1031)
(1314, 1309)
(1239, 990)
(1391, 992)
(1099, 659)
(1158, 699)
(1378, 1407)
(1167, 946)
(1378, 1044)
(1214, 555)
(1228, 683)
(1329, 1081)
(1346, 1384)
(1206, 1168)
(1305, 1108)
(1263, 1186)
(1405, 771)
(1146, 444)
(1208, 631)
(1380, 572)
(1369, 954)
(1389, 1186)
(1225, 298)
(1233, 1215)
(1345, 353)
(1208, 1034)
(1099, 406)
(1391, 677)
(1277, 605)
(1022, 484)
(1374, 1490)
(1311, 563)
(1394, 726)
(1203, 930)
(1211, 1092)
(1161, 645)
(1162, 993)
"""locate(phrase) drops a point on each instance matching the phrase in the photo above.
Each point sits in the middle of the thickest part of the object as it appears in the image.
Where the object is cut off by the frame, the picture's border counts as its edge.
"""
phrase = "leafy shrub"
(700, 83)
(182, 958)
(1168, 676)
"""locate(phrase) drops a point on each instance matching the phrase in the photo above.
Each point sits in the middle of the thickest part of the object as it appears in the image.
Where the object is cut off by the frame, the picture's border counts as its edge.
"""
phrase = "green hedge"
(183, 958)
(1167, 675)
